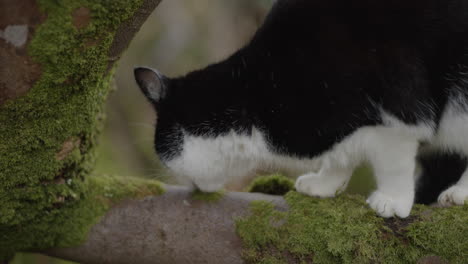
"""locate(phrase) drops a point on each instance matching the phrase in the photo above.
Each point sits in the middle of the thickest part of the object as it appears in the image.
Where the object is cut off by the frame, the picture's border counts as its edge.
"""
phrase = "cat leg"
(452, 135)
(393, 158)
(457, 194)
(328, 182)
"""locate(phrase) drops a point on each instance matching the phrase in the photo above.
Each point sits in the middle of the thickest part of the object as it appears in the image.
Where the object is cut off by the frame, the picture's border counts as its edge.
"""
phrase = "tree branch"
(176, 227)
(170, 228)
(127, 30)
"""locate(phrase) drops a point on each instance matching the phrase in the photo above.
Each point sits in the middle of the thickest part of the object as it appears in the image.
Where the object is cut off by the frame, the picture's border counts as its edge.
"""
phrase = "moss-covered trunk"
(56, 60)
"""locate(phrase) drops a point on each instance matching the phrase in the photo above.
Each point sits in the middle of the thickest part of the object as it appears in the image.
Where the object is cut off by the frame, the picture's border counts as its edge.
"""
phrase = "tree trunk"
(56, 60)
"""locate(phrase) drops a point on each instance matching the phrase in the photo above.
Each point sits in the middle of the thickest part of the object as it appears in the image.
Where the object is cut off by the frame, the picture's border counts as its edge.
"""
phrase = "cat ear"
(152, 83)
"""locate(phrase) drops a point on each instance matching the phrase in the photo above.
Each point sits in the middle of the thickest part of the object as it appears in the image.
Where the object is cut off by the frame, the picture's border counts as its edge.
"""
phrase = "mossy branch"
(176, 227)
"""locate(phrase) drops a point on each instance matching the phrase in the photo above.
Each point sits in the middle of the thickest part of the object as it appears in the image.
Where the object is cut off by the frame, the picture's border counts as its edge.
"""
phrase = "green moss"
(207, 197)
(69, 221)
(43, 197)
(345, 230)
(275, 184)
(443, 233)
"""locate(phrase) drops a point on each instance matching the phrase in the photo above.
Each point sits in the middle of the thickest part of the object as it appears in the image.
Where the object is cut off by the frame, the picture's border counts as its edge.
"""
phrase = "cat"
(323, 86)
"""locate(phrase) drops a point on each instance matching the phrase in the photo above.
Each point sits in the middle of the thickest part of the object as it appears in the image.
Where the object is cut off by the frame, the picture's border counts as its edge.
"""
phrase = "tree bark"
(171, 228)
(18, 72)
(176, 227)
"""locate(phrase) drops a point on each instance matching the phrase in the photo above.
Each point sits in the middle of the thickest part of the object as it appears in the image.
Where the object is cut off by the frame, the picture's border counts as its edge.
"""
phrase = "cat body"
(323, 86)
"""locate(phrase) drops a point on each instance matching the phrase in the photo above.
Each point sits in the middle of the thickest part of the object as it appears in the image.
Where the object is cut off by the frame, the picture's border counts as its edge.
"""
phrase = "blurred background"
(180, 36)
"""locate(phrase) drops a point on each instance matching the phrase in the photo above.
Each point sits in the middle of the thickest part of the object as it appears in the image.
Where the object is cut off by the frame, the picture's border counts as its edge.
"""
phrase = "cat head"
(157, 89)
(194, 120)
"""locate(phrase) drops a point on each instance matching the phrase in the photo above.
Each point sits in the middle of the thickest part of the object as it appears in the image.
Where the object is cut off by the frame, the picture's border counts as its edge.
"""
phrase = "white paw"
(314, 185)
(455, 195)
(387, 206)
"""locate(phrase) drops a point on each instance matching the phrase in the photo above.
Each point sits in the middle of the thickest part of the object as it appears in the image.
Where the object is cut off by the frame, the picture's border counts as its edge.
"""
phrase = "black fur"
(319, 69)
(441, 170)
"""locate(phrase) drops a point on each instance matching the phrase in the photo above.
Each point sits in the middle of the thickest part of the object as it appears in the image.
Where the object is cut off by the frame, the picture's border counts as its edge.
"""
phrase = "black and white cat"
(323, 86)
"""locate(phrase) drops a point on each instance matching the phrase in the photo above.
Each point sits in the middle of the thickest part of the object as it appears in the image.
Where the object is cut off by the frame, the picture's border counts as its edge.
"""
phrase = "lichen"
(345, 230)
(275, 184)
(49, 201)
(207, 196)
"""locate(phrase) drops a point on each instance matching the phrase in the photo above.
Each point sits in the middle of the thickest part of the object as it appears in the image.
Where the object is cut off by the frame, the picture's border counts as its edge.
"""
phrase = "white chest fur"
(210, 162)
